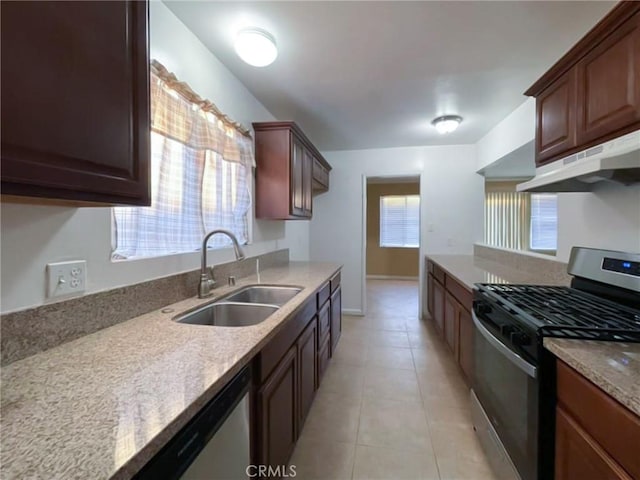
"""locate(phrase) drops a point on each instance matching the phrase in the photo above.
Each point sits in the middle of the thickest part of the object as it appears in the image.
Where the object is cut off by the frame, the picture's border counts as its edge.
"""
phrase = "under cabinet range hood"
(614, 161)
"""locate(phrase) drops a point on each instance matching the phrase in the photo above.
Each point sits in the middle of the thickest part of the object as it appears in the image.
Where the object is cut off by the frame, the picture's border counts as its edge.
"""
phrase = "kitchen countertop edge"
(129, 467)
(603, 364)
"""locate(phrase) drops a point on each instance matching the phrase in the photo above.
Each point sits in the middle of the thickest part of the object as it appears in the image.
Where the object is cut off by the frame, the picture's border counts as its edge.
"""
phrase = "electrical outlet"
(66, 278)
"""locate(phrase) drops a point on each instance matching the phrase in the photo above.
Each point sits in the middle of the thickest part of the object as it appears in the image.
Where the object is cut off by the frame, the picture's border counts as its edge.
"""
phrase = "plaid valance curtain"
(201, 177)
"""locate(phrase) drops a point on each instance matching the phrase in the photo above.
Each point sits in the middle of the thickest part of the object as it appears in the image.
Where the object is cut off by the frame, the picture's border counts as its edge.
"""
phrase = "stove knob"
(520, 338)
(507, 330)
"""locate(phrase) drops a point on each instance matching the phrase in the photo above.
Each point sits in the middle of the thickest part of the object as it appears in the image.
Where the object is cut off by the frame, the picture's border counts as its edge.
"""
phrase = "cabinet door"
(609, 85)
(451, 323)
(297, 176)
(555, 118)
(323, 358)
(438, 305)
(278, 412)
(336, 317)
(465, 343)
(307, 183)
(430, 294)
(578, 456)
(75, 101)
(307, 357)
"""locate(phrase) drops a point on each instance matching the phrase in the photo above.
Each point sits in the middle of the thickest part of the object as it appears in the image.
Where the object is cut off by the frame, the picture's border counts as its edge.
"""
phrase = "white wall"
(517, 129)
(608, 217)
(452, 204)
(33, 236)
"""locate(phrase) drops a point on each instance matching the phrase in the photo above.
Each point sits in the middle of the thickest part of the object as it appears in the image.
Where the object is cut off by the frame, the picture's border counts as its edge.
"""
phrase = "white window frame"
(532, 218)
(405, 243)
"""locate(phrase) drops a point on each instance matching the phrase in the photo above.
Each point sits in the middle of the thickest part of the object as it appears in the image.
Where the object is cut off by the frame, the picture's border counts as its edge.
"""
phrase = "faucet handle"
(205, 286)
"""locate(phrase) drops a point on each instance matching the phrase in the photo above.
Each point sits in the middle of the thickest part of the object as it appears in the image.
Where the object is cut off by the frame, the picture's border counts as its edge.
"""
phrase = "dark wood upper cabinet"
(592, 94)
(286, 173)
(555, 117)
(609, 84)
(75, 101)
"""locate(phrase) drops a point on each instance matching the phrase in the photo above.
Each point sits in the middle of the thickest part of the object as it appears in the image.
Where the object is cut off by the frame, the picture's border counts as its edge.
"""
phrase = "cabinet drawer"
(335, 282)
(613, 426)
(460, 292)
(438, 273)
(324, 322)
(324, 294)
(278, 346)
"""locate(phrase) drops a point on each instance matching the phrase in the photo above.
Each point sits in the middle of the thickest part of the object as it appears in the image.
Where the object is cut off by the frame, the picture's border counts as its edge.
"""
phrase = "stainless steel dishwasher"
(214, 445)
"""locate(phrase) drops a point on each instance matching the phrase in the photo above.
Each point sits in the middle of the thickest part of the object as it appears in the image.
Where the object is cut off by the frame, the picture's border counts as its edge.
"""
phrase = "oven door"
(505, 404)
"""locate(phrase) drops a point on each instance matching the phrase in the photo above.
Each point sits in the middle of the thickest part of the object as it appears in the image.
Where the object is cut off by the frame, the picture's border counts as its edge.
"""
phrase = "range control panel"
(621, 266)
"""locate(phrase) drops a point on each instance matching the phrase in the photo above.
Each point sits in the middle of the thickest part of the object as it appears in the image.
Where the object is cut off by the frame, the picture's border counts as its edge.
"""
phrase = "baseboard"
(352, 311)
(390, 277)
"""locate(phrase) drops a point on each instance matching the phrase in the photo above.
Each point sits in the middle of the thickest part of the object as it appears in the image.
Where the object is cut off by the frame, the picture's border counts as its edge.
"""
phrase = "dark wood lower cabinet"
(449, 304)
(308, 381)
(287, 374)
(578, 455)
(277, 412)
(336, 317)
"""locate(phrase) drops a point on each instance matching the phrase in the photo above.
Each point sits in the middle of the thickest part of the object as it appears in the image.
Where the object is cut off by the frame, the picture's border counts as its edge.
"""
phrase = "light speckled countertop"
(470, 269)
(101, 406)
(612, 366)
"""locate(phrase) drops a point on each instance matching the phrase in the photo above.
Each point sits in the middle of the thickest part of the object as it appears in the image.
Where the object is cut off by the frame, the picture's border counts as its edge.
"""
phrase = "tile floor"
(392, 404)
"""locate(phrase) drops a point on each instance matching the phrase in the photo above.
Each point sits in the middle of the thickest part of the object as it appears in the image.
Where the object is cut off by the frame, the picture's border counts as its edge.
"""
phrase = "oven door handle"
(513, 357)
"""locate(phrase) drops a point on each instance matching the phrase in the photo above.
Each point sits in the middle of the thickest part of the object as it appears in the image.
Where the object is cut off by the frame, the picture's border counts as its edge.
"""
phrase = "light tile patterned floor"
(392, 404)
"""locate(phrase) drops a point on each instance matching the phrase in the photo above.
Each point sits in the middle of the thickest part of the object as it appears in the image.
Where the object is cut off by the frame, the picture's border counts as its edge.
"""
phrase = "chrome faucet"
(206, 275)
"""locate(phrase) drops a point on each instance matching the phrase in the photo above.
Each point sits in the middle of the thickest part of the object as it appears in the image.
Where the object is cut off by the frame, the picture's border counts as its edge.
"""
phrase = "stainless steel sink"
(228, 314)
(265, 294)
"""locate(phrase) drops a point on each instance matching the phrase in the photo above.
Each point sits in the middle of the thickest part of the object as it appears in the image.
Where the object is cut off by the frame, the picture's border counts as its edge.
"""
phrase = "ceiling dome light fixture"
(256, 47)
(447, 123)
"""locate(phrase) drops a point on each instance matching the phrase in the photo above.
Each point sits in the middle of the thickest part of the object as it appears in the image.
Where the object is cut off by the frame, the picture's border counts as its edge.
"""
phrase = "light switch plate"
(66, 278)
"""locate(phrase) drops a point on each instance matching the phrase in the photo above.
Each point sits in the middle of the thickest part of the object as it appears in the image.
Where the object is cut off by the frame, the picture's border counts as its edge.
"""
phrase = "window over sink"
(201, 166)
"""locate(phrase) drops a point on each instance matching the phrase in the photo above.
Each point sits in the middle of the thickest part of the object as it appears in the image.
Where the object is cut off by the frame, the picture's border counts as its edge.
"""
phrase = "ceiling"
(374, 74)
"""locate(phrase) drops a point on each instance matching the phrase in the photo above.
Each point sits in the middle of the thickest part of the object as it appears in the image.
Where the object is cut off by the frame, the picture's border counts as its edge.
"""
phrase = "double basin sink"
(247, 306)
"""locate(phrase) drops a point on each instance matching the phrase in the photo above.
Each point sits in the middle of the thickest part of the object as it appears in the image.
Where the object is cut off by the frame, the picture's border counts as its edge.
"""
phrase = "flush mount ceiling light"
(447, 123)
(256, 47)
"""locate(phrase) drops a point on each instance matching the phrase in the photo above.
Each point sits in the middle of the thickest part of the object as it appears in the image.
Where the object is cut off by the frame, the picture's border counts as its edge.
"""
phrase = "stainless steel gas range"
(513, 395)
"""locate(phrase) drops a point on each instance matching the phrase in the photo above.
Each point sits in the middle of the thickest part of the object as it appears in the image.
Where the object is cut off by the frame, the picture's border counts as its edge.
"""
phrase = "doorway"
(392, 233)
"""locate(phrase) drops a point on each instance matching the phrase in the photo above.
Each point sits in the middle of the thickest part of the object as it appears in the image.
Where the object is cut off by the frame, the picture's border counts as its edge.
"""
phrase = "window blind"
(506, 217)
(544, 221)
(400, 221)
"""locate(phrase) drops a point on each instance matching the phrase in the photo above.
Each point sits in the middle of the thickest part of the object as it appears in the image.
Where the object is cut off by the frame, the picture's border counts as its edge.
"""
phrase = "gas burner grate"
(559, 311)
